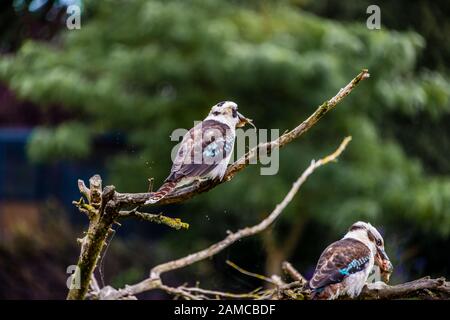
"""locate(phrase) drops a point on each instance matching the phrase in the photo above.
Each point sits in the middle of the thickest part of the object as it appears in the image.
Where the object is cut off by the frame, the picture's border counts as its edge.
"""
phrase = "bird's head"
(227, 112)
(368, 234)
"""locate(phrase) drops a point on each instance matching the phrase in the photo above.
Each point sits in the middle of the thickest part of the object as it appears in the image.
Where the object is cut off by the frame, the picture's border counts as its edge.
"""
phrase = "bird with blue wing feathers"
(205, 150)
(345, 265)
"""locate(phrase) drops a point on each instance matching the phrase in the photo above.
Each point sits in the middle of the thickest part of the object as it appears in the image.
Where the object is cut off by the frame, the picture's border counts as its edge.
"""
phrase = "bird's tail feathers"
(164, 190)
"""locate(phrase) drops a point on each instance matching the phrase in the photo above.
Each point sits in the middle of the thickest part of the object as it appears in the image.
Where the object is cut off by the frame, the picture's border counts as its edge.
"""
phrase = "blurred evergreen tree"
(143, 68)
(429, 19)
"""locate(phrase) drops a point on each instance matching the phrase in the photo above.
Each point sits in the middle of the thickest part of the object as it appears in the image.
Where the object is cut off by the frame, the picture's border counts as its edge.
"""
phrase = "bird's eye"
(216, 113)
(378, 242)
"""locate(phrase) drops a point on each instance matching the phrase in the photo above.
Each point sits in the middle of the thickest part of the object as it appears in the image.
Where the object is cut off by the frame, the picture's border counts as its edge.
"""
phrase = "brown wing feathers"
(338, 261)
(164, 190)
(191, 160)
(202, 148)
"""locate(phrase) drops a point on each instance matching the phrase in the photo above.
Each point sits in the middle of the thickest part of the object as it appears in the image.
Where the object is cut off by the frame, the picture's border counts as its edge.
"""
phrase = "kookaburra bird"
(345, 265)
(205, 150)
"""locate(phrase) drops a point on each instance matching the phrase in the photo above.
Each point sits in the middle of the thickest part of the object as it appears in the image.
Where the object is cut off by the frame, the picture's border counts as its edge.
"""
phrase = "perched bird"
(205, 150)
(345, 265)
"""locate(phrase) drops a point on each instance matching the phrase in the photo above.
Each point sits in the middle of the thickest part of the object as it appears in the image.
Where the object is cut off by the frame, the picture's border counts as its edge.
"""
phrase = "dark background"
(105, 99)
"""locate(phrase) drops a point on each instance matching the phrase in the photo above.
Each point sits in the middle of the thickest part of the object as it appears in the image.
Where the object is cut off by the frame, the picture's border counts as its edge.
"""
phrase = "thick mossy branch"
(89, 210)
(103, 212)
(94, 241)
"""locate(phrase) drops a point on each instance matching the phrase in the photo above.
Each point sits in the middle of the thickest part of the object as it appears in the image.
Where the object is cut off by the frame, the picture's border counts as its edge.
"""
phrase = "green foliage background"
(143, 68)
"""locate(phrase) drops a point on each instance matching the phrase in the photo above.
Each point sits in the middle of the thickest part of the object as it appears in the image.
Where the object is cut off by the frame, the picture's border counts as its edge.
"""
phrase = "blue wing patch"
(221, 147)
(211, 150)
(354, 266)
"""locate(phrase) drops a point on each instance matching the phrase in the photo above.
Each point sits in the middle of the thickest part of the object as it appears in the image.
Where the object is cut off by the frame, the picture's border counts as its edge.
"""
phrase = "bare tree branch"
(93, 242)
(248, 273)
(103, 207)
(220, 294)
(293, 273)
(124, 199)
(425, 288)
(154, 280)
(180, 291)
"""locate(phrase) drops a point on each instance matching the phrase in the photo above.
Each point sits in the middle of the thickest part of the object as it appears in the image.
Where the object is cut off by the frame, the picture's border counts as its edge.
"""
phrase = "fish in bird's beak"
(386, 267)
(243, 121)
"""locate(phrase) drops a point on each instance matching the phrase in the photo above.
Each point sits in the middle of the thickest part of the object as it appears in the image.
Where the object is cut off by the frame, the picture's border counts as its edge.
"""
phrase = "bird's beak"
(382, 260)
(243, 121)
